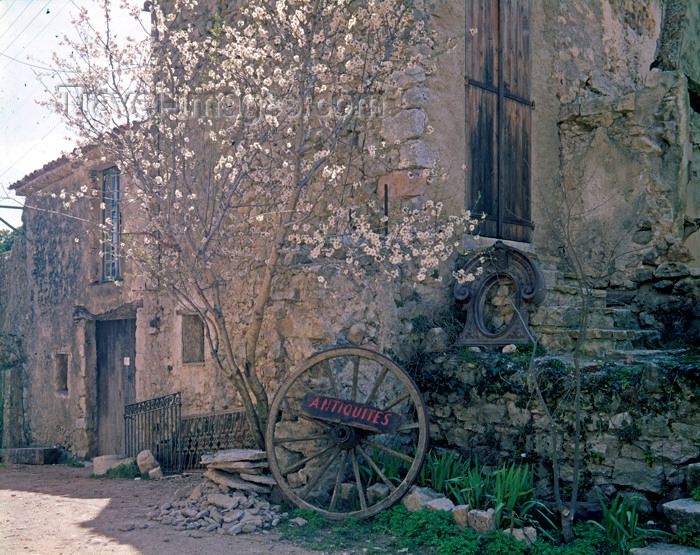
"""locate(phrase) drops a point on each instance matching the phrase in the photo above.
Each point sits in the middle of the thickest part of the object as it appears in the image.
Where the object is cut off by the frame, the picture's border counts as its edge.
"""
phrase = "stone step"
(598, 341)
(30, 455)
(683, 513)
(568, 317)
(643, 355)
(664, 549)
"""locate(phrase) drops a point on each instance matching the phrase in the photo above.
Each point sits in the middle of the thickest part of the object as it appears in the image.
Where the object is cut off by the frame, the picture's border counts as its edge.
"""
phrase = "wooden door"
(116, 384)
(497, 81)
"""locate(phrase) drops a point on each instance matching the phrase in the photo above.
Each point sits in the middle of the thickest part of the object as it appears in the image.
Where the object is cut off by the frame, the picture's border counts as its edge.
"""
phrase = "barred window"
(111, 221)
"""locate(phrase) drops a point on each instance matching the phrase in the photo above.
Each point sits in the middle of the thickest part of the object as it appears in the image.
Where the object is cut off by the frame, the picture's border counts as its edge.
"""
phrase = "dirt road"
(60, 510)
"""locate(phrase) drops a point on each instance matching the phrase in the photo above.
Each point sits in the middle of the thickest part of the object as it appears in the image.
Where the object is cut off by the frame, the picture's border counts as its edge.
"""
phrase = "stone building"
(549, 115)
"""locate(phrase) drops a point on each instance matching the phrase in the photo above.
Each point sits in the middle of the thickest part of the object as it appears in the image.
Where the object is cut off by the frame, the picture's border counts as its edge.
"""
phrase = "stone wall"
(640, 420)
(12, 346)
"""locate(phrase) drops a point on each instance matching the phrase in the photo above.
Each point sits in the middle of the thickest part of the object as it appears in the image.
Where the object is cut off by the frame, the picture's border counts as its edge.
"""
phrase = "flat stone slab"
(225, 479)
(259, 479)
(30, 455)
(684, 512)
(664, 549)
(100, 465)
(234, 455)
(239, 466)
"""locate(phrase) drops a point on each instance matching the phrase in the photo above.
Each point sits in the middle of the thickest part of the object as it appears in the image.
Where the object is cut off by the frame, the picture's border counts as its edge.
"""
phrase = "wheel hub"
(346, 437)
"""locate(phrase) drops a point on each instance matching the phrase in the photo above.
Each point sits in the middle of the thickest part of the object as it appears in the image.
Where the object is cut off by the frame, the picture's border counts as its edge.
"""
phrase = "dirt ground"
(61, 510)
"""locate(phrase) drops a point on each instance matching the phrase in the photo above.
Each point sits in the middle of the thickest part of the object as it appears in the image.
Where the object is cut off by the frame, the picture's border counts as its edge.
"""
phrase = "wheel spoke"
(411, 426)
(302, 462)
(313, 481)
(280, 440)
(355, 372)
(389, 451)
(374, 466)
(377, 383)
(397, 401)
(358, 481)
(329, 373)
(338, 480)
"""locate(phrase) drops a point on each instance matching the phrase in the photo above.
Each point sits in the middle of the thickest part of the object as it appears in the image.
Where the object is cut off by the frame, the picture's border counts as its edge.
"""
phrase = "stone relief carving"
(499, 300)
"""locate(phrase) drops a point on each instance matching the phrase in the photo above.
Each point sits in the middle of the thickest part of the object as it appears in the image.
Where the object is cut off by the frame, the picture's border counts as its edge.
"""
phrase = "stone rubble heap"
(234, 499)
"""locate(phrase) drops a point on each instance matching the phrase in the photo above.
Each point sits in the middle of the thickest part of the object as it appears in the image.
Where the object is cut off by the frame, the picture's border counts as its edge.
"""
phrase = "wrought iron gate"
(156, 424)
(178, 442)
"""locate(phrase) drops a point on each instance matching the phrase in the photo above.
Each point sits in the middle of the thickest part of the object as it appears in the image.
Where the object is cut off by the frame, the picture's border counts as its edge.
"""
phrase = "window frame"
(498, 117)
(111, 225)
(184, 327)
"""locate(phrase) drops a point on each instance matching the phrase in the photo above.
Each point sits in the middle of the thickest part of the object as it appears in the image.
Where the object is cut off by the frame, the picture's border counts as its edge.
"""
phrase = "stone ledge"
(30, 455)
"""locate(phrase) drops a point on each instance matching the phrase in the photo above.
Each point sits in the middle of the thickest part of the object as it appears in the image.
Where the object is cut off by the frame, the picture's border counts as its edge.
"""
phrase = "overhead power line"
(26, 26)
(55, 15)
(15, 19)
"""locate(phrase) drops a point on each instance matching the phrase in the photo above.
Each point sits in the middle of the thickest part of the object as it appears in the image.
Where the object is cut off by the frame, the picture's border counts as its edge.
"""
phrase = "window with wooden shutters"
(192, 339)
(498, 116)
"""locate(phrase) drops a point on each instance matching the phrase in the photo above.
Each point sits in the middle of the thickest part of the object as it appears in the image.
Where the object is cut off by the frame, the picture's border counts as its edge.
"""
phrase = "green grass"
(122, 471)
(397, 530)
(66, 459)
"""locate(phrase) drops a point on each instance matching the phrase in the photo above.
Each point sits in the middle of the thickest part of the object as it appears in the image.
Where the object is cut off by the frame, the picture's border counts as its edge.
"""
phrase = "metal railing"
(155, 424)
(178, 442)
(216, 431)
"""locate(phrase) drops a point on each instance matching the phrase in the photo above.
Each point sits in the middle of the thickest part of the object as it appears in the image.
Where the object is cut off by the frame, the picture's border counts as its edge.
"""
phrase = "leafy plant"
(696, 493)
(513, 489)
(7, 237)
(620, 523)
(650, 458)
(124, 471)
(71, 462)
(439, 469)
(392, 467)
(685, 536)
(471, 488)
(597, 457)
(435, 529)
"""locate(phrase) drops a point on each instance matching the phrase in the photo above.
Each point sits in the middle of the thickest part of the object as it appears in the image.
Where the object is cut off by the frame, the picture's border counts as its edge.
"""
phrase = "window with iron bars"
(111, 222)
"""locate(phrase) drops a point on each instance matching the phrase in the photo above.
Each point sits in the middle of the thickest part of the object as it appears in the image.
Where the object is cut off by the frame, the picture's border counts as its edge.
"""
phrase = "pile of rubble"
(234, 499)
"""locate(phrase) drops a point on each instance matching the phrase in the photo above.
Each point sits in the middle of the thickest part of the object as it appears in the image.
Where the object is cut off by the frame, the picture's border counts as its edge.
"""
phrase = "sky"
(31, 135)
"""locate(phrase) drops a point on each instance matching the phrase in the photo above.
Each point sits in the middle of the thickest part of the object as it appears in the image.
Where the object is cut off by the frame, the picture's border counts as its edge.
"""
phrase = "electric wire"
(15, 20)
(26, 27)
(56, 14)
(8, 8)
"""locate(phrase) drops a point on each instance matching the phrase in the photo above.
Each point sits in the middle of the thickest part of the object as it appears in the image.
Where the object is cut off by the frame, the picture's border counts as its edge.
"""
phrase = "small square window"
(192, 338)
(61, 372)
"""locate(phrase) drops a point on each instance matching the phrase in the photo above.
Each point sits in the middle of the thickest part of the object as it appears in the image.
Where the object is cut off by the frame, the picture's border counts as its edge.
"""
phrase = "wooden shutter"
(498, 115)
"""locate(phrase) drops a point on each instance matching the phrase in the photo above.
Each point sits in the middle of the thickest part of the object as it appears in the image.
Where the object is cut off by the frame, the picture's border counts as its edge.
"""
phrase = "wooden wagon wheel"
(344, 419)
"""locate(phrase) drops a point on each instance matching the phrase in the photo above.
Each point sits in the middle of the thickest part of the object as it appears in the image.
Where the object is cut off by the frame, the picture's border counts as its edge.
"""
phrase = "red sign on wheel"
(350, 412)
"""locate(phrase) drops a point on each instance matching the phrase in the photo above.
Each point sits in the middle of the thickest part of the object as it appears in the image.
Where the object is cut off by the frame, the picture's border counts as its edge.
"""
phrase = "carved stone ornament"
(499, 299)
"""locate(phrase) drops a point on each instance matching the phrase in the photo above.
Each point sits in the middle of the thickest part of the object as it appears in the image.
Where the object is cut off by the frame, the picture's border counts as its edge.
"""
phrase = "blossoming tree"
(241, 149)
